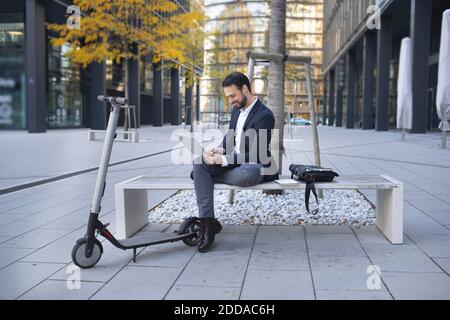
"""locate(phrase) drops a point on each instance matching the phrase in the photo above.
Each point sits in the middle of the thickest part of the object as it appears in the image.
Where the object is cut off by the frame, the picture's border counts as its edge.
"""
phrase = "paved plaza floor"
(39, 226)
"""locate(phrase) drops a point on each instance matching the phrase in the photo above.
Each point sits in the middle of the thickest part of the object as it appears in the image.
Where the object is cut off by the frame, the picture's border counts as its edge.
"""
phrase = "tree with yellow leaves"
(120, 30)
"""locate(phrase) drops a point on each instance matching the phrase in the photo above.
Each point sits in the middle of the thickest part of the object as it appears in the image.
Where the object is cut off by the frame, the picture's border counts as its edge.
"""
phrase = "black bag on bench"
(310, 175)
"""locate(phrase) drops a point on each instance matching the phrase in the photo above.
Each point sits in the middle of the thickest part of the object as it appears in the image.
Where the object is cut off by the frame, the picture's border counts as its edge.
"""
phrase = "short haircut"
(238, 79)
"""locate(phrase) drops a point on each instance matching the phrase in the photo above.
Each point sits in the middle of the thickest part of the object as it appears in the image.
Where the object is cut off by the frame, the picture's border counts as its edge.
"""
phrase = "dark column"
(384, 54)
(332, 84)
(134, 89)
(420, 40)
(339, 94)
(188, 100)
(351, 83)
(370, 43)
(157, 103)
(197, 101)
(36, 75)
(98, 110)
(324, 102)
(175, 96)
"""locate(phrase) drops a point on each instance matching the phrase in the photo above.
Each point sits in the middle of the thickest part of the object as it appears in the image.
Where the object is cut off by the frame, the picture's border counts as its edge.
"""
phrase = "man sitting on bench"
(239, 161)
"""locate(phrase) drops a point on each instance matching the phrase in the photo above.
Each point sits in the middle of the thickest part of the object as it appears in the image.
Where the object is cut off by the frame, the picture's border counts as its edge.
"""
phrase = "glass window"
(12, 76)
(166, 81)
(147, 75)
(65, 107)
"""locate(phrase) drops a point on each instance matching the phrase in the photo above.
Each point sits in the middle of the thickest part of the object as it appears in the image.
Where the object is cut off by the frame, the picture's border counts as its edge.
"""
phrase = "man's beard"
(243, 103)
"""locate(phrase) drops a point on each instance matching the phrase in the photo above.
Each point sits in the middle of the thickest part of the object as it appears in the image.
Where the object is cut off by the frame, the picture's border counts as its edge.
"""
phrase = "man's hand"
(218, 150)
(212, 158)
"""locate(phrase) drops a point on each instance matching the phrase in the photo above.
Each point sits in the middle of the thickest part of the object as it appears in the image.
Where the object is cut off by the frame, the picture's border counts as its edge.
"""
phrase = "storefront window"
(65, 108)
(166, 81)
(147, 75)
(12, 77)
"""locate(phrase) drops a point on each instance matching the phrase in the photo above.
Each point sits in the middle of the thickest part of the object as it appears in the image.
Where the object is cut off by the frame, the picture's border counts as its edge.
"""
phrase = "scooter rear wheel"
(79, 254)
(191, 225)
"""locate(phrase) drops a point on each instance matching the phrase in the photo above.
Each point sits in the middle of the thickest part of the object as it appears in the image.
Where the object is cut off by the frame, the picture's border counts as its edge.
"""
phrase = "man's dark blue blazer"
(260, 117)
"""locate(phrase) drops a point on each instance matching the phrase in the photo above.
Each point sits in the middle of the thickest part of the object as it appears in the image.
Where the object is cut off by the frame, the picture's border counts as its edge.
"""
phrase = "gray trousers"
(205, 175)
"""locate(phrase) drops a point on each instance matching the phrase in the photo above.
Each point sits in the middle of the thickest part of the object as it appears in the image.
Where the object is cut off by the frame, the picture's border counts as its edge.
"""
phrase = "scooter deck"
(149, 240)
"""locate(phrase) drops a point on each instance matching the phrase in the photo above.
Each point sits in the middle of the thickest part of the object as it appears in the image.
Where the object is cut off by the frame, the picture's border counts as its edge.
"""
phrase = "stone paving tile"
(334, 245)
(10, 197)
(444, 263)
(3, 239)
(111, 262)
(166, 255)
(53, 204)
(328, 229)
(7, 218)
(423, 286)
(284, 233)
(159, 227)
(279, 257)
(229, 228)
(430, 204)
(137, 283)
(10, 255)
(352, 295)
(19, 227)
(34, 239)
(224, 266)
(58, 251)
(60, 290)
(412, 212)
(274, 250)
(370, 235)
(340, 273)
(19, 277)
(442, 217)
(417, 195)
(71, 221)
(20, 202)
(202, 293)
(277, 285)
(423, 225)
(434, 245)
(53, 214)
(400, 258)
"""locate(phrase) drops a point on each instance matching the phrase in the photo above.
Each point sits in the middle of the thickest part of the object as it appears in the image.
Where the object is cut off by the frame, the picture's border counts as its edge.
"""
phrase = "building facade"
(235, 27)
(361, 57)
(41, 89)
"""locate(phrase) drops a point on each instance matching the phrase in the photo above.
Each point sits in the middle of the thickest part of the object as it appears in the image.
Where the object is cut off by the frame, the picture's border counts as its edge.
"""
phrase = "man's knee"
(247, 177)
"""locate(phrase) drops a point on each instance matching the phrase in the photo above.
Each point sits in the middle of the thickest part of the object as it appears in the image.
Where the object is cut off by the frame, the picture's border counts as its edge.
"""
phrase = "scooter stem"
(104, 162)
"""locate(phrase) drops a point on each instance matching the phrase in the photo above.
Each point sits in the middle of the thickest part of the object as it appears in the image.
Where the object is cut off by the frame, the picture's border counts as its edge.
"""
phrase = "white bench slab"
(132, 202)
(133, 135)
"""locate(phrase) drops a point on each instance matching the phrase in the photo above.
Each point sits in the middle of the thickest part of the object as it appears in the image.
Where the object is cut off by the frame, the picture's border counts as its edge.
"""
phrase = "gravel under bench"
(254, 207)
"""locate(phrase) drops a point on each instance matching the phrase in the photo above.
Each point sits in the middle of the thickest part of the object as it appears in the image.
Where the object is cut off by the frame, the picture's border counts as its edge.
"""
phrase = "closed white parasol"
(443, 88)
(404, 88)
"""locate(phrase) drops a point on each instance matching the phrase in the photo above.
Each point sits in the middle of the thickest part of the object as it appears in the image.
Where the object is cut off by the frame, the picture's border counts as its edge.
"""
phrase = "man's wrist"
(224, 161)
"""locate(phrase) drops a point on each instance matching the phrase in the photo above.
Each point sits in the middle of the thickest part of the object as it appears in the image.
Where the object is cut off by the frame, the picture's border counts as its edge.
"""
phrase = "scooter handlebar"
(115, 100)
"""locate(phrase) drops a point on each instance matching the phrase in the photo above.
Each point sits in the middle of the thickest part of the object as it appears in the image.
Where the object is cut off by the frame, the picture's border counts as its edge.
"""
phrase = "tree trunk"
(277, 40)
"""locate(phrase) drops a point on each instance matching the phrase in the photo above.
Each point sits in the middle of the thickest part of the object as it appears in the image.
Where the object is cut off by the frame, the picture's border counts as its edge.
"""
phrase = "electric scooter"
(88, 250)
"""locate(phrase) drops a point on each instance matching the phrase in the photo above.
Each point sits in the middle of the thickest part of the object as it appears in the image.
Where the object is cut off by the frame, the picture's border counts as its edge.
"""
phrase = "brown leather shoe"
(210, 227)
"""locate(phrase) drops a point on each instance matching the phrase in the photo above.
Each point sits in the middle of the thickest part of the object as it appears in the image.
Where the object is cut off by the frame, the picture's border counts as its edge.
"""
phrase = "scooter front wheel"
(79, 254)
(191, 225)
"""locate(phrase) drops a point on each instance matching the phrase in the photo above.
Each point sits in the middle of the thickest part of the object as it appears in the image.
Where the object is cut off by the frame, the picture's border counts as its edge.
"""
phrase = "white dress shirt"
(239, 131)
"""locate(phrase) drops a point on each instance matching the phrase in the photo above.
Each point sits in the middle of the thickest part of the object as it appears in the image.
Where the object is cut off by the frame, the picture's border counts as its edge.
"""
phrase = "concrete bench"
(132, 199)
(133, 135)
